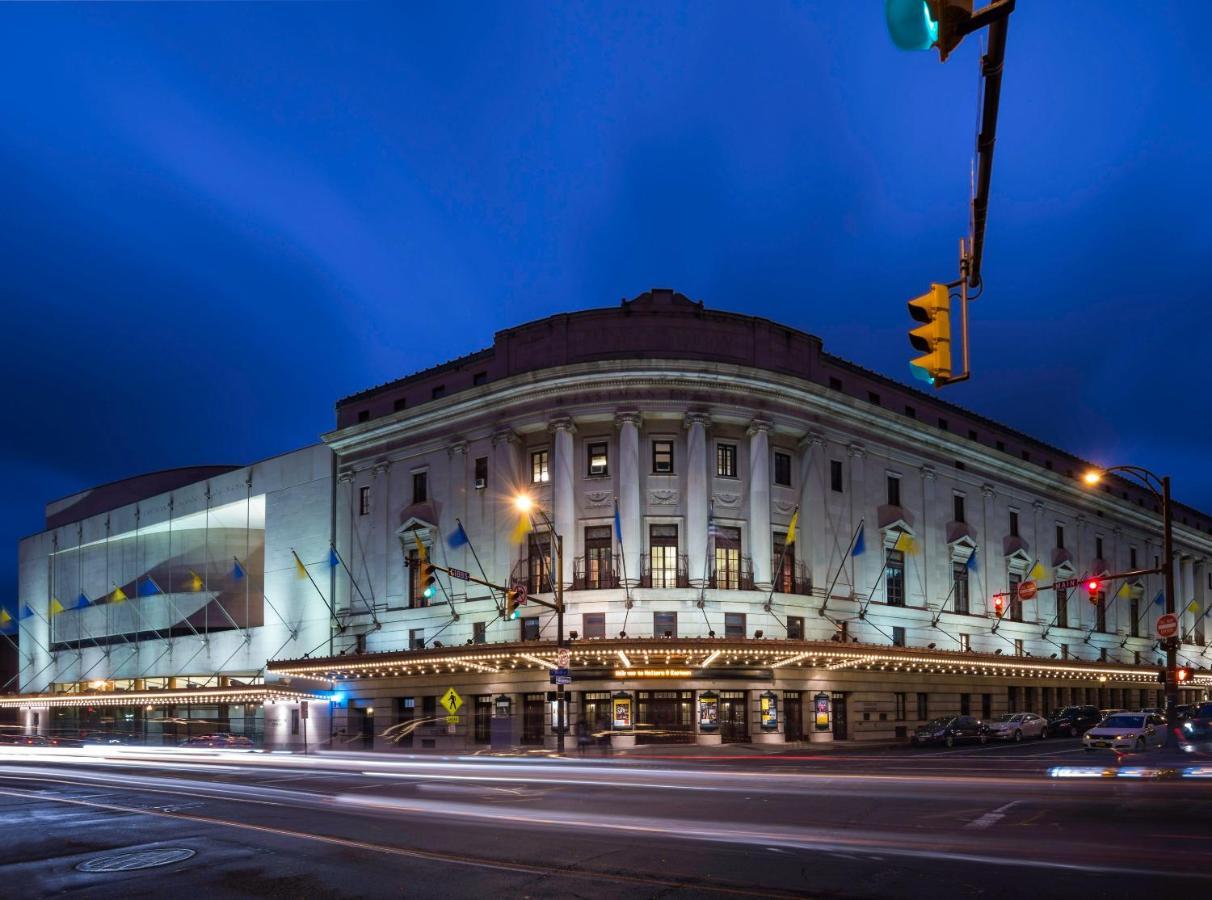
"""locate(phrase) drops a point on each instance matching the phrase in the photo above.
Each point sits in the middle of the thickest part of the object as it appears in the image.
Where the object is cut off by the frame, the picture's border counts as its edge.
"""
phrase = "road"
(985, 821)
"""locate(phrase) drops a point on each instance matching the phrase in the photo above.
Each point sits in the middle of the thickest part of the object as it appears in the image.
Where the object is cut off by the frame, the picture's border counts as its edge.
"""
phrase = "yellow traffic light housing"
(512, 598)
(933, 337)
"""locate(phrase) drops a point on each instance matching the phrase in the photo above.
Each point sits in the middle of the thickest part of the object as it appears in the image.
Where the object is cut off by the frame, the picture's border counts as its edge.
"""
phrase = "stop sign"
(1167, 625)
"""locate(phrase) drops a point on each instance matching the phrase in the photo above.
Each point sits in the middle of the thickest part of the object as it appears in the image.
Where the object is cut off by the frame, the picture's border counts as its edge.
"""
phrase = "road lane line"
(992, 817)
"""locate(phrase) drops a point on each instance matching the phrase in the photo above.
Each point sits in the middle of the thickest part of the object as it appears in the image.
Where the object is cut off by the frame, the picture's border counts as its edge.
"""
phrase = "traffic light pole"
(1171, 643)
(559, 603)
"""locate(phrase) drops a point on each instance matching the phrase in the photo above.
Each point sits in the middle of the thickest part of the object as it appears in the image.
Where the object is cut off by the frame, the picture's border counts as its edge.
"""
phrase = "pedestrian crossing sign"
(451, 701)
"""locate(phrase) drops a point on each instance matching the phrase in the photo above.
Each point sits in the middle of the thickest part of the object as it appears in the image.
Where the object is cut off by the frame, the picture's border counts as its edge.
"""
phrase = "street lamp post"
(1160, 486)
(525, 505)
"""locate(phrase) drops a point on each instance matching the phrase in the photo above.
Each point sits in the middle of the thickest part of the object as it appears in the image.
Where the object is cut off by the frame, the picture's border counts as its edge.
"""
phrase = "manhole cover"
(136, 859)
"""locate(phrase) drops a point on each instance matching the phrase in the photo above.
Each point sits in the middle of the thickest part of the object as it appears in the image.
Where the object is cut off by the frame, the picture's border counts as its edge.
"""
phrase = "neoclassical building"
(760, 542)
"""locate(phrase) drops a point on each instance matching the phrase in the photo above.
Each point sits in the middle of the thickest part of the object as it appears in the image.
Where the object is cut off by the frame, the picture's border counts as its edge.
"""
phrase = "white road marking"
(992, 817)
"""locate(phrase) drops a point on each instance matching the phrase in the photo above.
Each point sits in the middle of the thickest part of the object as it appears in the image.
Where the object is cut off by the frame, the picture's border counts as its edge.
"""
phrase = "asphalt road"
(979, 821)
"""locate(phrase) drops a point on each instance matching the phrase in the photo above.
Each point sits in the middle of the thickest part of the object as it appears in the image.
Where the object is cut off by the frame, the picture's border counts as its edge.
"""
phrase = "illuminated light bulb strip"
(537, 660)
(710, 659)
(626, 661)
(233, 695)
(790, 659)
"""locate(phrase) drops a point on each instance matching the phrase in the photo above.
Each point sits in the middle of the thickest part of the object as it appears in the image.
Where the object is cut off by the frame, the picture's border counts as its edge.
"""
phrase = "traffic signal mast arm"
(465, 576)
(1078, 582)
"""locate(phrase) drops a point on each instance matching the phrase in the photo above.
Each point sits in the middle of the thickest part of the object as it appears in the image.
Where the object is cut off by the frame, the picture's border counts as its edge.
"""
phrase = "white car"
(1126, 731)
(1016, 726)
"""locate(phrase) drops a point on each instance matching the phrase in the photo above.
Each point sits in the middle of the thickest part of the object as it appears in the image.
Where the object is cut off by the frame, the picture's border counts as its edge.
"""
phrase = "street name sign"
(460, 574)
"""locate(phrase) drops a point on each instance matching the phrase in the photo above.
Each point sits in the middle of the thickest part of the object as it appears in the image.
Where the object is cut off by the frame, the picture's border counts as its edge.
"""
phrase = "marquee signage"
(653, 673)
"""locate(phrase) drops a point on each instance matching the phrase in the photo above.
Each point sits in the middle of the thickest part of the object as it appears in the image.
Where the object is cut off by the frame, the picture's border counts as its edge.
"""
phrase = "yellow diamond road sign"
(451, 701)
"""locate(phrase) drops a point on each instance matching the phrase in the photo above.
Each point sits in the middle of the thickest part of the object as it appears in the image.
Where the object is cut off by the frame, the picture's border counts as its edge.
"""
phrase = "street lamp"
(1159, 485)
(525, 505)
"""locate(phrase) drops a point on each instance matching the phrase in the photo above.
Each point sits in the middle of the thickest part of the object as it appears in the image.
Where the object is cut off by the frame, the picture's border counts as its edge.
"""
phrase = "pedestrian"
(582, 736)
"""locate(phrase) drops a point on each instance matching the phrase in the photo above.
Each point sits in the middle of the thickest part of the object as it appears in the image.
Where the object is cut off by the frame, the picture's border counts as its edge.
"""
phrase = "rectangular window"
(923, 707)
(364, 415)
(538, 563)
(539, 471)
(1100, 611)
(479, 378)
(900, 706)
(783, 563)
(873, 397)
(416, 639)
(1016, 602)
(795, 628)
(965, 705)
(599, 547)
(835, 475)
(898, 636)
(662, 457)
(420, 487)
(481, 473)
(959, 578)
(1062, 608)
(1018, 646)
(942, 424)
(965, 643)
(479, 632)
(734, 625)
(782, 468)
(1013, 523)
(530, 628)
(1098, 548)
(364, 500)
(416, 599)
(664, 624)
(593, 625)
(894, 578)
(663, 556)
(1134, 616)
(843, 632)
(1060, 537)
(438, 392)
(957, 508)
(1131, 557)
(725, 460)
(727, 558)
(597, 455)
(399, 404)
(911, 412)
(894, 490)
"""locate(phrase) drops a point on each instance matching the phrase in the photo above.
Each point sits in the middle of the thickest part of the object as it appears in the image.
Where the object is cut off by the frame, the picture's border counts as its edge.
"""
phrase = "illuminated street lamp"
(1159, 485)
(525, 505)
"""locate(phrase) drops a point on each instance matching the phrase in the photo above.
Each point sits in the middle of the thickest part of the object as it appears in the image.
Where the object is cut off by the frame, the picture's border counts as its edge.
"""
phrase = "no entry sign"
(1167, 625)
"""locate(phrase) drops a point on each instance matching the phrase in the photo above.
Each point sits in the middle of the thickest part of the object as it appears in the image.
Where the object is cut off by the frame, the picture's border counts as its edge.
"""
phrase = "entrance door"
(532, 718)
(595, 710)
(734, 716)
(368, 729)
(793, 716)
(483, 726)
(840, 731)
(664, 717)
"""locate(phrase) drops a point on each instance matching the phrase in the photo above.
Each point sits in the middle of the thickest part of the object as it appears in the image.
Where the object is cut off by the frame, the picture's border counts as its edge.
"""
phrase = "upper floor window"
(593, 625)
(957, 506)
(596, 453)
(1098, 548)
(894, 490)
(1132, 562)
(1014, 523)
(835, 475)
(481, 472)
(662, 457)
(782, 468)
(898, 636)
(725, 460)
(364, 500)
(734, 625)
(479, 632)
(479, 378)
(364, 415)
(1060, 537)
(438, 392)
(959, 579)
(795, 628)
(539, 471)
(420, 487)
(894, 578)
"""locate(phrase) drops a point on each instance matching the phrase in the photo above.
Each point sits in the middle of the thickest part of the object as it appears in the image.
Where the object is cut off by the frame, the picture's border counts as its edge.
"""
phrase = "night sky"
(218, 219)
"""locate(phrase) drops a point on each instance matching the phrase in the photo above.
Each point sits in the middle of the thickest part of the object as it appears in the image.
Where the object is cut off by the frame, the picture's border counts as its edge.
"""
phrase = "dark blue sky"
(218, 219)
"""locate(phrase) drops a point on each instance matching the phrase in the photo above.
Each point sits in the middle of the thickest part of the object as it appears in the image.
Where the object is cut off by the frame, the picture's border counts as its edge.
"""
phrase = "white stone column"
(629, 493)
(811, 544)
(563, 496)
(697, 495)
(1186, 593)
(933, 561)
(503, 478)
(760, 540)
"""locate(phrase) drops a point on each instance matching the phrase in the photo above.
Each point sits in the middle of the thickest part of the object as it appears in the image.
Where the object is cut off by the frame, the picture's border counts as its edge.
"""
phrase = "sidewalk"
(796, 748)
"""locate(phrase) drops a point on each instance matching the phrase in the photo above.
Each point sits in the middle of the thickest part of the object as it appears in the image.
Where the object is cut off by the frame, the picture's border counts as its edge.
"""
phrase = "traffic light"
(428, 580)
(922, 24)
(1182, 674)
(933, 337)
(999, 606)
(513, 600)
(1093, 588)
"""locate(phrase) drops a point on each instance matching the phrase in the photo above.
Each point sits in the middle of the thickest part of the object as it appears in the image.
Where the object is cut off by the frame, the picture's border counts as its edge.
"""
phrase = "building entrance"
(664, 717)
(734, 716)
(595, 709)
(532, 718)
(793, 716)
(840, 731)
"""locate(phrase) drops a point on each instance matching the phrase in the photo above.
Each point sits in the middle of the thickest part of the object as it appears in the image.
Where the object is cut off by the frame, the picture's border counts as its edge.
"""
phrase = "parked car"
(1128, 731)
(1016, 726)
(1183, 712)
(1203, 711)
(218, 739)
(1195, 736)
(950, 731)
(1073, 720)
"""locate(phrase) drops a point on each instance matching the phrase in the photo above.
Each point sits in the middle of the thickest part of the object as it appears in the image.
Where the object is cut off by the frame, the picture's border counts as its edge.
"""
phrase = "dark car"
(1203, 711)
(950, 731)
(1195, 736)
(1073, 720)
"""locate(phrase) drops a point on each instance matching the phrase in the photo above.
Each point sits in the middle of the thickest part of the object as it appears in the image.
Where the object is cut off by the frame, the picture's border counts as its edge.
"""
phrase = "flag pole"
(788, 541)
(479, 565)
(838, 574)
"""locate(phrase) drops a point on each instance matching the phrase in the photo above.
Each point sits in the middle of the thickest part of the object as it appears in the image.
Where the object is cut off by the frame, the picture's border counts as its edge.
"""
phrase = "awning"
(259, 694)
